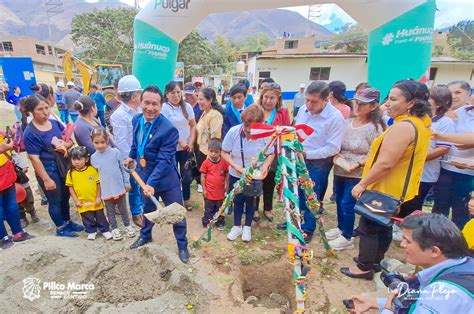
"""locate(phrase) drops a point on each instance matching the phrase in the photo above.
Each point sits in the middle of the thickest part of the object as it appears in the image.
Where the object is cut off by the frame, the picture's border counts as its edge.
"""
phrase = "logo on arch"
(173, 5)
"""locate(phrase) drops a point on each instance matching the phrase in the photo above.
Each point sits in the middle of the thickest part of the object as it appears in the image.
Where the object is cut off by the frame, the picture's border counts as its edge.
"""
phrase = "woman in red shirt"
(271, 102)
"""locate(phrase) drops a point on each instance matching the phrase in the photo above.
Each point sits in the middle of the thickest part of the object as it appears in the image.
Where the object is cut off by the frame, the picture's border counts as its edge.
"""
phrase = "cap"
(128, 83)
(302, 85)
(60, 84)
(189, 88)
(70, 83)
(368, 95)
(337, 87)
(198, 79)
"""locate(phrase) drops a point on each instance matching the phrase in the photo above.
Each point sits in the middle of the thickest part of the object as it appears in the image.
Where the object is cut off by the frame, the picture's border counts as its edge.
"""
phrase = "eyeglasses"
(271, 85)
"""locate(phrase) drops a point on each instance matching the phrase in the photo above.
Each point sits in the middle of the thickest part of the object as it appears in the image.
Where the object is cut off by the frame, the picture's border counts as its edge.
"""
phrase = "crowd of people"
(400, 146)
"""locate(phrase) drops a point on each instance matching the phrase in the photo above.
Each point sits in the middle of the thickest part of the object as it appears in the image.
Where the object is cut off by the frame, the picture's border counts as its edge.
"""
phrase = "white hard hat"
(70, 83)
(60, 84)
(128, 83)
(303, 86)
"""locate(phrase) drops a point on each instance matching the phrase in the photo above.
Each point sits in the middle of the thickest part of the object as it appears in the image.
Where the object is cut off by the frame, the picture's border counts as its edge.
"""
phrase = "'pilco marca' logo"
(416, 34)
(31, 289)
(173, 5)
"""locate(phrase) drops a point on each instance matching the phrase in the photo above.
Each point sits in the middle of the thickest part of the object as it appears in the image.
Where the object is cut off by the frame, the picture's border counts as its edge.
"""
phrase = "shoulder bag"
(380, 207)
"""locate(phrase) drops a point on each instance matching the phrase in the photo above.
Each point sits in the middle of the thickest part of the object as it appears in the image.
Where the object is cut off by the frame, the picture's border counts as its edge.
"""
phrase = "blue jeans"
(9, 212)
(452, 192)
(58, 199)
(240, 202)
(74, 116)
(181, 157)
(319, 172)
(135, 199)
(345, 204)
(64, 115)
(101, 117)
(170, 196)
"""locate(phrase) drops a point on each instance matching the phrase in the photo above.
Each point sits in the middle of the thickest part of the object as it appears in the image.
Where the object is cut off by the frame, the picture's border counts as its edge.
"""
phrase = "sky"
(332, 17)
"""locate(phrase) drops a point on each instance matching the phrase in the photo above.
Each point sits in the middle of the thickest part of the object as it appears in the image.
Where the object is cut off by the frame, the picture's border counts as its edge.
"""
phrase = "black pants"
(94, 220)
(268, 189)
(417, 203)
(210, 209)
(200, 158)
(451, 193)
(374, 243)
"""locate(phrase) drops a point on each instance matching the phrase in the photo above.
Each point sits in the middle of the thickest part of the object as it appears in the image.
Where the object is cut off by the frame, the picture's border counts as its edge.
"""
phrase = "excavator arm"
(69, 62)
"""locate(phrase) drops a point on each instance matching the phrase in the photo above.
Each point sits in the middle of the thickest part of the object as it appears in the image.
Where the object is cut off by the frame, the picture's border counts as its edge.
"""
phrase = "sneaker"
(107, 235)
(397, 233)
(247, 234)
(116, 235)
(34, 218)
(6, 243)
(199, 189)
(341, 243)
(44, 202)
(333, 234)
(333, 198)
(234, 233)
(130, 232)
(24, 223)
(72, 226)
(91, 236)
(22, 236)
(65, 232)
(220, 226)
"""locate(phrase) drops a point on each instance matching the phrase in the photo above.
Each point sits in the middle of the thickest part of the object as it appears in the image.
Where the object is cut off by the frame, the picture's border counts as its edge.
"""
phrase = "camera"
(407, 295)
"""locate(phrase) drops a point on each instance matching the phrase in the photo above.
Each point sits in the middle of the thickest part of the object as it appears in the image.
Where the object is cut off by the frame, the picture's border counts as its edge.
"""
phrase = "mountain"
(274, 22)
(28, 18)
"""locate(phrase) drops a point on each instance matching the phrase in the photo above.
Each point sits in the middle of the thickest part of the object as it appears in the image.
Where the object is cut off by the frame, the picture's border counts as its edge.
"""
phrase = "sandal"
(188, 206)
(268, 217)
(256, 216)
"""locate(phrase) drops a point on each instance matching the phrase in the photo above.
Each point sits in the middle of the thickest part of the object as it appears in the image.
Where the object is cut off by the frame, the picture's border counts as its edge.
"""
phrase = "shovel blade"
(170, 214)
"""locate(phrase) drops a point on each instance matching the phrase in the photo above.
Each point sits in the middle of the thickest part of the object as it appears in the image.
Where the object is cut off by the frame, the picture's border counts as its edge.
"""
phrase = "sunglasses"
(271, 85)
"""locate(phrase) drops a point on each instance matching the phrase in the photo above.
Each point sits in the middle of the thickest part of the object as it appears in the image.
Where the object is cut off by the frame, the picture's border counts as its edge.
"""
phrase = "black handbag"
(255, 187)
(380, 207)
(190, 170)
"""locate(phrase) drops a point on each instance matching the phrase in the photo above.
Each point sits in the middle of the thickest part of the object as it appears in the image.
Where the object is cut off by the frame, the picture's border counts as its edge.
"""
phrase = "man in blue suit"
(154, 149)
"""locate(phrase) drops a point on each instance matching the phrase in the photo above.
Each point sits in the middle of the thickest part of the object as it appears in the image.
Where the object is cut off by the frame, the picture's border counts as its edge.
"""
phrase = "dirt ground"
(222, 276)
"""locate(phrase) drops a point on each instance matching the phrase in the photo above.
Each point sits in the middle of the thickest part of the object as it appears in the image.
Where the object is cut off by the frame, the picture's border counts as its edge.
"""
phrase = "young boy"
(215, 181)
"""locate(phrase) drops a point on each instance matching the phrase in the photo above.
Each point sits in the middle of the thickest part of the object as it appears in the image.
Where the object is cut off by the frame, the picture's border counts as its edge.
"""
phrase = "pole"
(294, 244)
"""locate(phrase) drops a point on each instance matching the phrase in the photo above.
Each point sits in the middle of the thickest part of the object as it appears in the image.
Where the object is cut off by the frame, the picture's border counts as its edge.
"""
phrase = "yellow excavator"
(103, 74)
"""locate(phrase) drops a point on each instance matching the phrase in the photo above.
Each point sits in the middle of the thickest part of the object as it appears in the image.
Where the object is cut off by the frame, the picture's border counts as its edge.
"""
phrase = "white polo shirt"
(463, 124)
(179, 121)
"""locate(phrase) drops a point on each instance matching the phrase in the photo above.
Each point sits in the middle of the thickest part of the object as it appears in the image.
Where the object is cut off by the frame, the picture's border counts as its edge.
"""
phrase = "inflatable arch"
(400, 34)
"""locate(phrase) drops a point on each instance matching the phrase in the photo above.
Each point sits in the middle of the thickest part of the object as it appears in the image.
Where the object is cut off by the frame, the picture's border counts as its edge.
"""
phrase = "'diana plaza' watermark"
(34, 288)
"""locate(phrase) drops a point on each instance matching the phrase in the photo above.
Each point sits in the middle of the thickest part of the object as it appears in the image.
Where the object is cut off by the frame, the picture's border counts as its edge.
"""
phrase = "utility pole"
(53, 8)
(314, 12)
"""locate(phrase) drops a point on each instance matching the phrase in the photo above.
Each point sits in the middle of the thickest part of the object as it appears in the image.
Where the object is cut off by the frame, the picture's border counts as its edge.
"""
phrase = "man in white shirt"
(298, 100)
(129, 90)
(321, 146)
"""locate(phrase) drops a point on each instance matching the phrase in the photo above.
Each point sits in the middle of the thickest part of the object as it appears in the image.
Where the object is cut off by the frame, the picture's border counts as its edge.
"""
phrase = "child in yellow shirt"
(83, 182)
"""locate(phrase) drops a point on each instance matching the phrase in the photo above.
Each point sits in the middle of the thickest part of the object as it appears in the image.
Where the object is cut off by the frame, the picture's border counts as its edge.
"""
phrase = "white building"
(290, 70)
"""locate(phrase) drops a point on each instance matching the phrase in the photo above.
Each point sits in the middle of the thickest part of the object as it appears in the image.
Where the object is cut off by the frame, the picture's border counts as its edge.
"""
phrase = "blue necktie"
(147, 127)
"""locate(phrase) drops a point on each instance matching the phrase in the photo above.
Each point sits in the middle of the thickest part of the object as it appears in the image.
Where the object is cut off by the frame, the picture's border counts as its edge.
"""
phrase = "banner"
(179, 72)
(401, 48)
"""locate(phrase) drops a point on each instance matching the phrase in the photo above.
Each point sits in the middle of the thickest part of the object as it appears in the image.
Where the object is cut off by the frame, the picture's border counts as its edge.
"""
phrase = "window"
(40, 50)
(317, 44)
(291, 44)
(433, 72)
(321, 74)
(50, 50)
(6, 46)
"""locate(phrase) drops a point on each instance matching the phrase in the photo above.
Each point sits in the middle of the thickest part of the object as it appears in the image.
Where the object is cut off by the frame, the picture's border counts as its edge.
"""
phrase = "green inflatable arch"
(400, 37)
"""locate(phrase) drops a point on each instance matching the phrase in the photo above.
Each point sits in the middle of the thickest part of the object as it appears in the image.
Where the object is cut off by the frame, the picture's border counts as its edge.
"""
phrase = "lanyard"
(236, 112)
(272, 116)
(143, 139)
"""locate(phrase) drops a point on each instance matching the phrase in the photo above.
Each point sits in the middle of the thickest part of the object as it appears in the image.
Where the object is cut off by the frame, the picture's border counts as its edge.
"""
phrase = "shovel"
(170, 214)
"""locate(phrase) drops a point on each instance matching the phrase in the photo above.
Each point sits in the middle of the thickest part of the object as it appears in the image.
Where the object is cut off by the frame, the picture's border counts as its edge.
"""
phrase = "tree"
(224, 56)
(461, 40)
(255, 43)
(349, 38)
(196, 53)
(104, 35)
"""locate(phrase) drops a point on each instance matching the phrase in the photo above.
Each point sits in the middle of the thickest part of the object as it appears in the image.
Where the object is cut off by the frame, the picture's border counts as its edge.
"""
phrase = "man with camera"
(446, 283)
